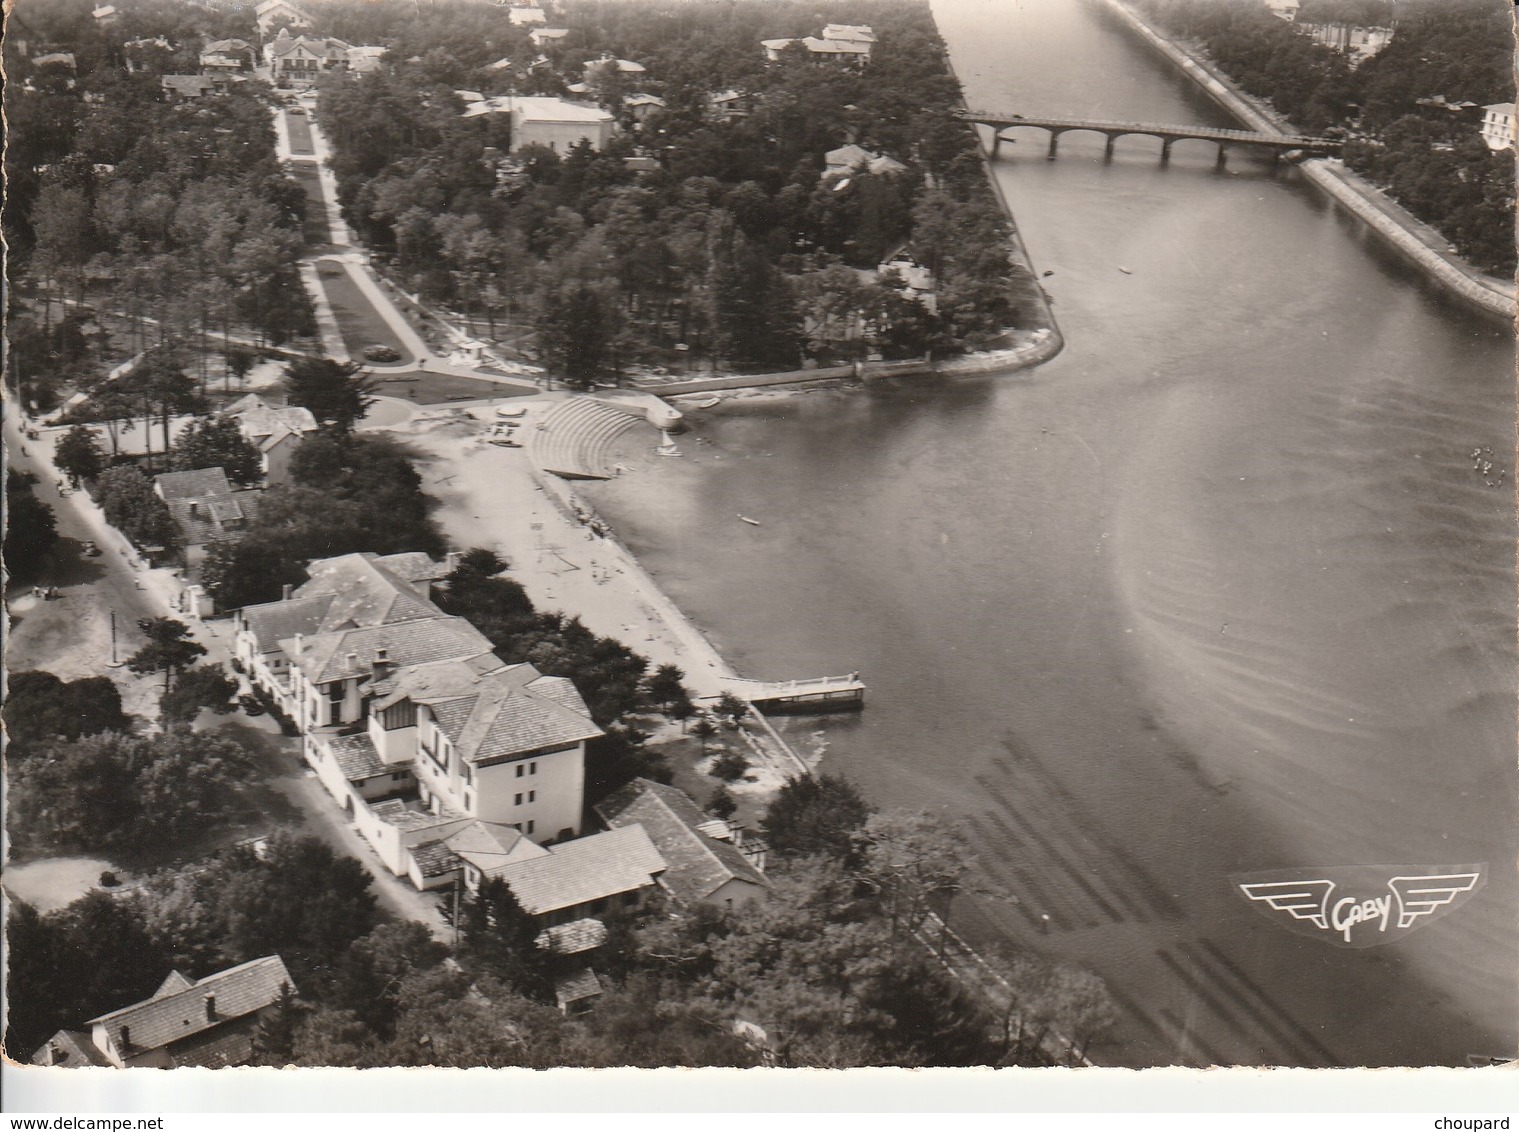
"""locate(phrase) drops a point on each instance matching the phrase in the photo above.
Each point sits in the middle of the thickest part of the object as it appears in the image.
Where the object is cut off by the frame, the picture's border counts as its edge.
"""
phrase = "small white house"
(1498, 126)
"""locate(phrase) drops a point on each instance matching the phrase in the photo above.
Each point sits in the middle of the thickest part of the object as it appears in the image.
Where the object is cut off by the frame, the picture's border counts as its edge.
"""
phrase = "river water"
(1217, 590)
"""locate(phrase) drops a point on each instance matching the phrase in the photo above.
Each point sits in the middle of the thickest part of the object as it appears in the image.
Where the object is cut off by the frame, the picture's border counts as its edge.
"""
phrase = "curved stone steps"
(573, 438)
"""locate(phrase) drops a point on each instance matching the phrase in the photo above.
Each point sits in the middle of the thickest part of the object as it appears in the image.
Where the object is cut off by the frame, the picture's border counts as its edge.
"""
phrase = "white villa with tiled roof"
(448, 760)
(276, 430)
(454, 765)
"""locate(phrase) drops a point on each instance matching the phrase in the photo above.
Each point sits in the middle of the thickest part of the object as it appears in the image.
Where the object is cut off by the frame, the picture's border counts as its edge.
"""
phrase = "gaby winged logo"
(1351, 906)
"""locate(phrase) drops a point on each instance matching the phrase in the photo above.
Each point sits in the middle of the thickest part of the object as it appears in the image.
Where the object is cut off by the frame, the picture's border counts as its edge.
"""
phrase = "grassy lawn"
(358, 321)
(314, 228)
(300, 135)
(434, 388)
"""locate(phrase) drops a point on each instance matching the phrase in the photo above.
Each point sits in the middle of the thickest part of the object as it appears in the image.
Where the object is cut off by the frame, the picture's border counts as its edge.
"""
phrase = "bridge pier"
(1222, 151)
(1107, 150)
(1054, 145)
(1165, 149)
(996, 143)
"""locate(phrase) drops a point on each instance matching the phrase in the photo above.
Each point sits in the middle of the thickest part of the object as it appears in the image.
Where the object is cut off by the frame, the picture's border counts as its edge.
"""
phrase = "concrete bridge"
(1168, 135)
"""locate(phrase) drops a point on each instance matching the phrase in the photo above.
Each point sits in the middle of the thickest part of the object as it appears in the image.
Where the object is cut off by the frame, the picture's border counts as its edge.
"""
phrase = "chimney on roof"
(194, 508)
(381, 667)
(210, 1008)
(124, 1039)
(300, 639)
(285, 591)
(353, 661)
(54, 1053)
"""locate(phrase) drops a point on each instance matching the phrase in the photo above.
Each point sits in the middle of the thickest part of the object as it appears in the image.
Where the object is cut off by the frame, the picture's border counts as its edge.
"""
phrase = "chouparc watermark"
(1359, 906)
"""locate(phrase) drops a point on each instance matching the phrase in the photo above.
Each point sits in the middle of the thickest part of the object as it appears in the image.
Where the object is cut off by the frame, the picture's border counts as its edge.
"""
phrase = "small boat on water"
(707, 404)
(751, 522)
(1126, 271)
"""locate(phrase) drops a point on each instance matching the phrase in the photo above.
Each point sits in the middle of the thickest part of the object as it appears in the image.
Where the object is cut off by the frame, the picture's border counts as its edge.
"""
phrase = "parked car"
(296, 110)
(381, 353)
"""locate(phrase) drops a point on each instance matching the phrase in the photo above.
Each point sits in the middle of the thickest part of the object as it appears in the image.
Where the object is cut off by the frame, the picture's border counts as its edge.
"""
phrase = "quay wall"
(1389, 220)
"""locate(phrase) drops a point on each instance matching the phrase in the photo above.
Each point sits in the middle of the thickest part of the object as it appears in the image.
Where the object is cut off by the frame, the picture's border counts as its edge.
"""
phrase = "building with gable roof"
(282, 14)
(527, 15)
(350, 591)
(542, 35)
(850, 43)
(206, 1023)
(449, 761)
(849, 157)
(301, 58)
(707, 859)
(187, 86)
(205, 508)
(275, 430)
(226, 56)
(554, 123)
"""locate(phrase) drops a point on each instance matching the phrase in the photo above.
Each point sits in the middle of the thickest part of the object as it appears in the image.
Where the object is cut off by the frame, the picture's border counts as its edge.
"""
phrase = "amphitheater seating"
(572, 440)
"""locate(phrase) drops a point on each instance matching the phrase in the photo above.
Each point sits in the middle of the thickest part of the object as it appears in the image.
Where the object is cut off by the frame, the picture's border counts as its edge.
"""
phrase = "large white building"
(553, 123)
(1498, 126)
(417, 729)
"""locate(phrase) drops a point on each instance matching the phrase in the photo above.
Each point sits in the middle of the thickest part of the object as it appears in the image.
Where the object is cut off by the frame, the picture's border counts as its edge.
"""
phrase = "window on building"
(516, 799)
(530, 827)
(532, 795)
(521, 769)
(335, 691)
(532, 768)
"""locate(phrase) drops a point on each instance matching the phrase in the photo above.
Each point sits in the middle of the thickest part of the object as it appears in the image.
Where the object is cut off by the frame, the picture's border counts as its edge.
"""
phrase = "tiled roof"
(590, 868)
(356, 757)
(489, 845)
(366, 592)
(239, 991)
(860, 33)
(223, 47)
(257, 418)
(174, 984)
(576, 988)
(201, 483)
(698, 865)
(848, 155)
(324, 658)
(413, 566)
(74, 1049)
(434, 858)
(494, 714)
(539, 108)
(192, 85)
(574, 937)
(206, 520)
(277, 621)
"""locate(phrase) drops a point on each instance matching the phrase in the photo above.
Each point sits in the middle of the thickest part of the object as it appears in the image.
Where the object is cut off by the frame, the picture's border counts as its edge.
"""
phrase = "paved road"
(70, 636)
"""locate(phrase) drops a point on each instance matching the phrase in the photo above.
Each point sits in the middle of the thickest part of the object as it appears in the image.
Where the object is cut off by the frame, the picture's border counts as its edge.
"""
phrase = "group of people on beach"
(1484, 467)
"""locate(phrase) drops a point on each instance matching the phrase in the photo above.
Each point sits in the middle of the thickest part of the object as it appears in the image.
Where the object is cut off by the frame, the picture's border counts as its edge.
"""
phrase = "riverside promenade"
(1411, 237)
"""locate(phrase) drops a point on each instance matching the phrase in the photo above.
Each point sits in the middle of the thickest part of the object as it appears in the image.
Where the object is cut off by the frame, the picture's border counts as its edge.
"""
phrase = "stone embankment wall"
(1379, 212)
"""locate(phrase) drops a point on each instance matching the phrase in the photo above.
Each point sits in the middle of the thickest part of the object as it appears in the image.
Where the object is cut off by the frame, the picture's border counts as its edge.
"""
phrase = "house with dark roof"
(226, 57)
(205, 1023)
(707, 859)
(205, 508)
(187, 86)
